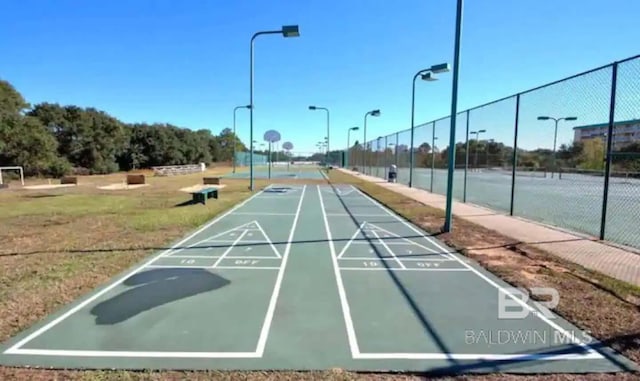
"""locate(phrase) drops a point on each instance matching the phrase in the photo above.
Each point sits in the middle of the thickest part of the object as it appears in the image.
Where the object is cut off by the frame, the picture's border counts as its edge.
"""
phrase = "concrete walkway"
(593, 255)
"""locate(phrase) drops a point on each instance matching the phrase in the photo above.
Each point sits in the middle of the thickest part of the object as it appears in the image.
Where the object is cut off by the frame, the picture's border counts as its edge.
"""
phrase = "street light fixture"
(286, 31)
(234, 134)
(555, 135)
(364, 151)
(425, 75)
(327, 137)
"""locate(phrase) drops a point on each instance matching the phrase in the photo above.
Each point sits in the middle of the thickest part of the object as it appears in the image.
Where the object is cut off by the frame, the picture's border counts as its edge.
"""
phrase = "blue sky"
(187, 62)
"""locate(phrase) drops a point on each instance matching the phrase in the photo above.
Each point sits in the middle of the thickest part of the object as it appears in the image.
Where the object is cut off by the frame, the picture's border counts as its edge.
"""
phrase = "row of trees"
(489, 153)
(50, 139)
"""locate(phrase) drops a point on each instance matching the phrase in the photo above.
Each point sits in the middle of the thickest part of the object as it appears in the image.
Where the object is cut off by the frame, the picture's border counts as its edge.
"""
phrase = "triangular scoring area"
(240, 239)
(371, 241)
(337, 190)
(248, 240)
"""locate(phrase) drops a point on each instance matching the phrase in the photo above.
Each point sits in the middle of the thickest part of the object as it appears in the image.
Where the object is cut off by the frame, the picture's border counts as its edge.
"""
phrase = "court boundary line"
(16, 349)
(590, 350)
(346, 310)
(266, 327)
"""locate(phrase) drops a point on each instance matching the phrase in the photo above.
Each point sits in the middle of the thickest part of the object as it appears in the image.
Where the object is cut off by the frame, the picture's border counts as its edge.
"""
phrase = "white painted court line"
(131, 354)
(229, 249)
(346, 311)
(249, 257)
(248, 268)
(209, 239)
(439, 260)
(192, 257)
(401, 269)
(408, 241)
(478, 356)
(359, 230)
(389, 250)
(571, 337)
(264, 333)
(178, 267)
(269, 239)
(355, 215)
(264, 214)
(390, 243)
(15, 348)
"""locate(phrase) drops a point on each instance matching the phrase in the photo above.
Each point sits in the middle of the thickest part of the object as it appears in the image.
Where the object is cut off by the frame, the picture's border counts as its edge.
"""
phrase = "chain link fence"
(565, 154)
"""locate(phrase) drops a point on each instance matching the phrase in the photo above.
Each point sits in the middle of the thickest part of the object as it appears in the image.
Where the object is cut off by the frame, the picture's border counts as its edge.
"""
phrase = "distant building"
(624, 132)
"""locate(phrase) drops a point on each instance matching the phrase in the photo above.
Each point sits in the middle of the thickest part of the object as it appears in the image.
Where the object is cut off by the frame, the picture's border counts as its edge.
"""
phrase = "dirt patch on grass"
(606, 308)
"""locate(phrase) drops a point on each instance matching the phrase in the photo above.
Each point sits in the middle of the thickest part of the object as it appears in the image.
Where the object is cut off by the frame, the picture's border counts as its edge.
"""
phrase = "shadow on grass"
(154, 288)
(42, 195)
(186, 203)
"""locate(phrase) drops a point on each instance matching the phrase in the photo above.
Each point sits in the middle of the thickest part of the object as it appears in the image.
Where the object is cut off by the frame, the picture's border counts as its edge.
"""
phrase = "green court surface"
(279, 172)
(308, 277)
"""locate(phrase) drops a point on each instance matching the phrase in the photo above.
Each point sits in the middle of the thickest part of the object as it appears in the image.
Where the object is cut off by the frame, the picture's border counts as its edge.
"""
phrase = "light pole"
(425, 75)
(448, 211)
(328, 128)
(234, 134)
(555, 135)
(286, 31)
(364, 152)
(348, 143)
(475, 156)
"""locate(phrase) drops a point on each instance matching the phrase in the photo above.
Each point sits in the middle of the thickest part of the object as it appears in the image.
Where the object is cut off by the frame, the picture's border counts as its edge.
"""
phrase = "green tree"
(592, 154)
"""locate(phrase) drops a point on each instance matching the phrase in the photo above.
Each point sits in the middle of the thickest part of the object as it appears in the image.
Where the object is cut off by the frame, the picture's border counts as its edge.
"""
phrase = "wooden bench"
(211, 180)
(135, 179)
(202, 195)
(69, 180)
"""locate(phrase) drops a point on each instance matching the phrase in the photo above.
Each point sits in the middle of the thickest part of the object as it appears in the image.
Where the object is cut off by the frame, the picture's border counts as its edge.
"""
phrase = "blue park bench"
(204, 194)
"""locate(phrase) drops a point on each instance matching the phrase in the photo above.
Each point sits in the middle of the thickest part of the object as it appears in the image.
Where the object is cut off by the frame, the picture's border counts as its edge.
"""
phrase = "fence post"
(396, 149)
(607, 158)
(433, 153)
(514, 159)
(466, 163)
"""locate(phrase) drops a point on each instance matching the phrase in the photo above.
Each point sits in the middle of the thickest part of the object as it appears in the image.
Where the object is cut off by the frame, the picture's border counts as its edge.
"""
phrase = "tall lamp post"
(555, 135)
(234, 134)
(364, 152)
(328, 128)
(475, 156)
(286, 31)
(348, 143)
(425, 75)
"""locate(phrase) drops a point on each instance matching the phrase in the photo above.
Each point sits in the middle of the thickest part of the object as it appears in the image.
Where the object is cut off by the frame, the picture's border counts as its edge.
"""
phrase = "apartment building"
(624, 132)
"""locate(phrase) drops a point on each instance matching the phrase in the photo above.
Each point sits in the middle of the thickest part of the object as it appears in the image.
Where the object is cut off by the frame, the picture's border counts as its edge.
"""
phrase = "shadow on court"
(154, 288)
(411, 302)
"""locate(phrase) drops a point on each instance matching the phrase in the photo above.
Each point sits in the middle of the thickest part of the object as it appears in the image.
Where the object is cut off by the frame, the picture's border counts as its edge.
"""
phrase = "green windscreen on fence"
(244, 159)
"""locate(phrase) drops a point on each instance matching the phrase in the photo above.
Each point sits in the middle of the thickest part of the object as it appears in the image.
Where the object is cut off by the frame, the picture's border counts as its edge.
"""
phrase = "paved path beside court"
(591, 254)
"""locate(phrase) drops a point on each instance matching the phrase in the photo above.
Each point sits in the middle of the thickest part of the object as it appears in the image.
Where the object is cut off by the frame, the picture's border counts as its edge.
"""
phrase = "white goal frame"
(12, 169)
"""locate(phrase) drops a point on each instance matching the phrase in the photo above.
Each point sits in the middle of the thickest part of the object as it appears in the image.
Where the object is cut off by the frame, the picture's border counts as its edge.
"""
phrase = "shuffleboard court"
(308, 277)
